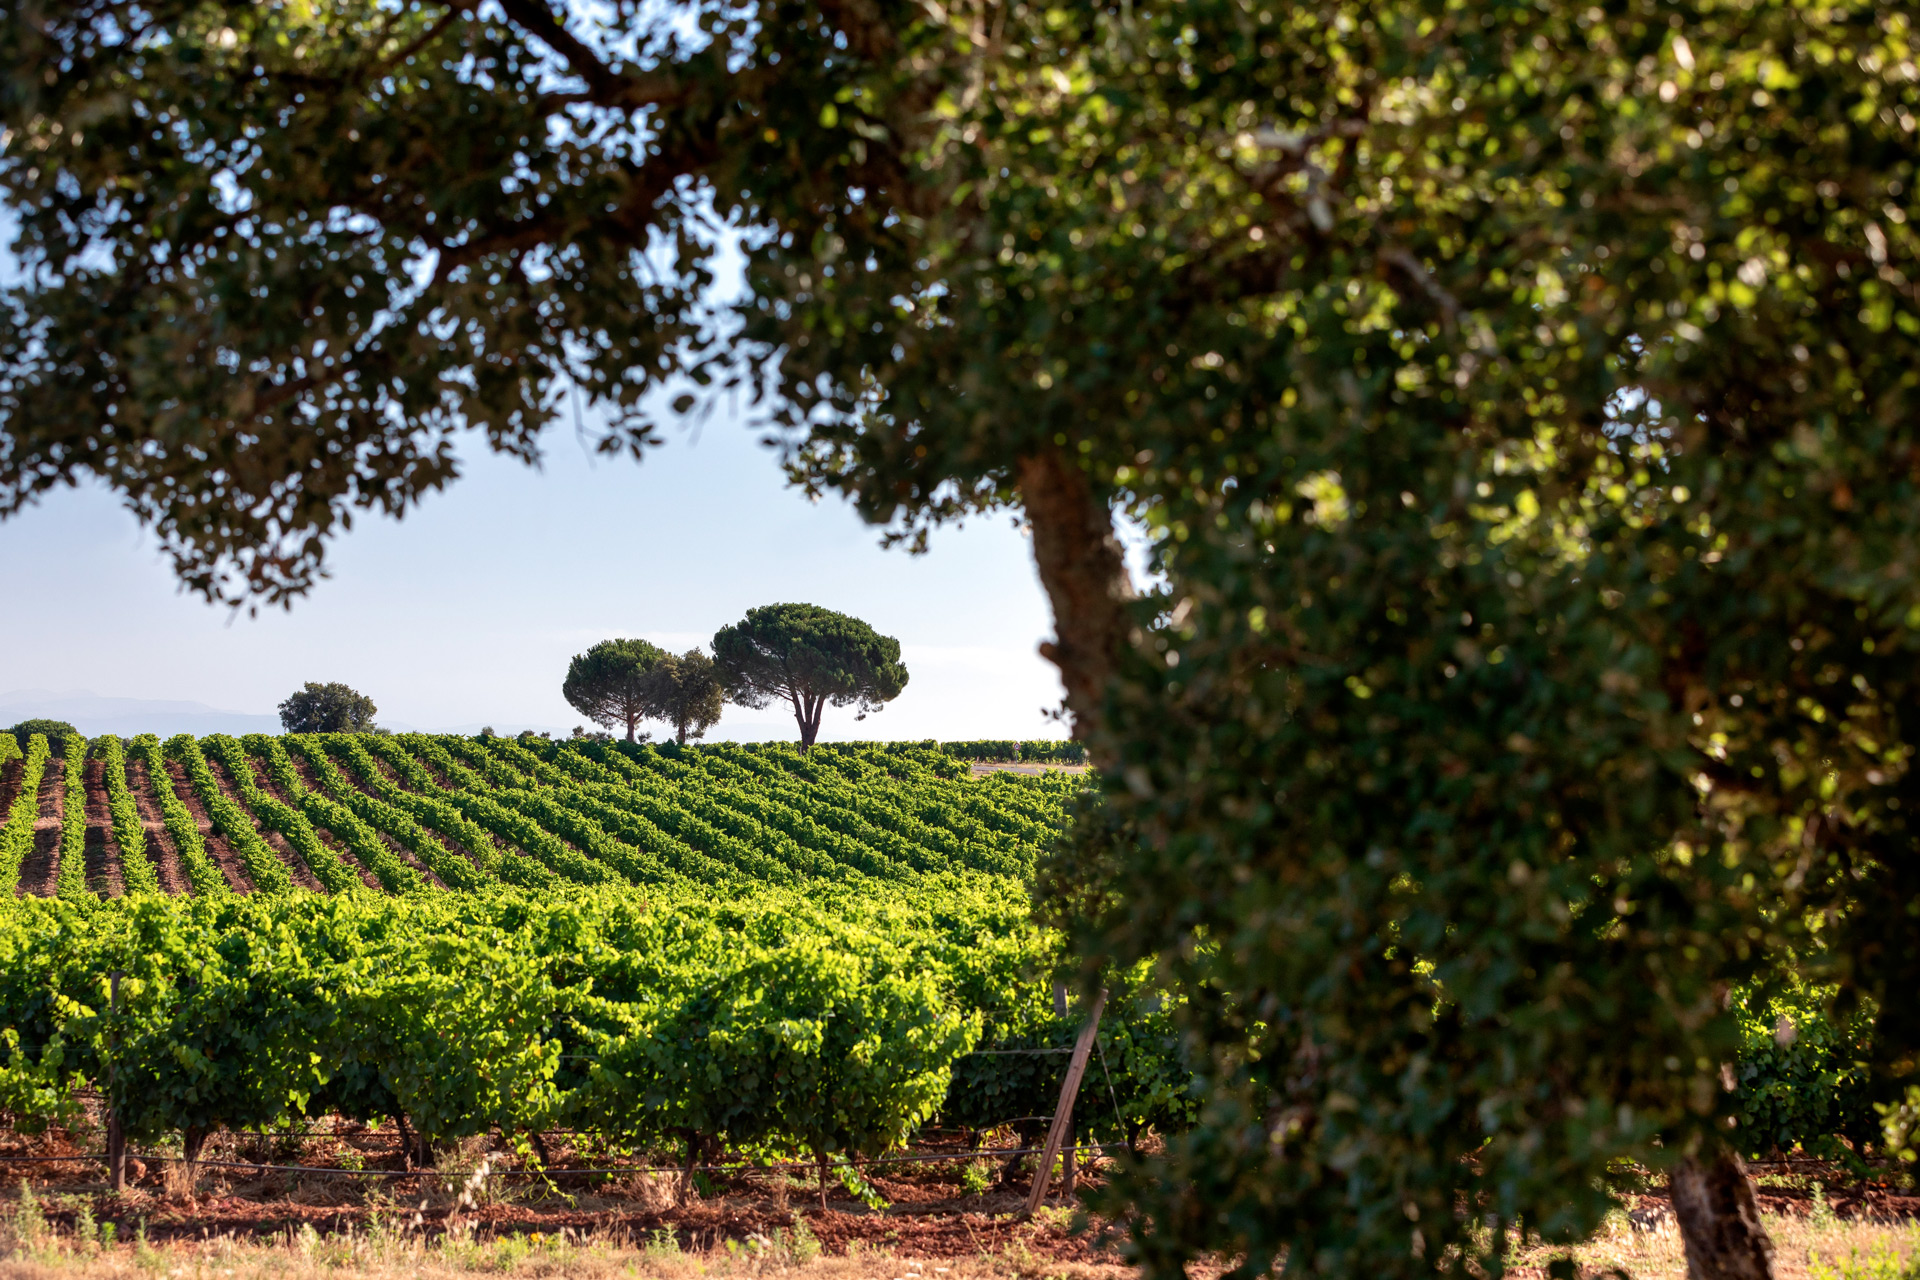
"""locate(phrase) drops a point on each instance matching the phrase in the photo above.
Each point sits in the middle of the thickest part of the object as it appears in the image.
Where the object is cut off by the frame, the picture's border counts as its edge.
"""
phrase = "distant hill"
(93, 715)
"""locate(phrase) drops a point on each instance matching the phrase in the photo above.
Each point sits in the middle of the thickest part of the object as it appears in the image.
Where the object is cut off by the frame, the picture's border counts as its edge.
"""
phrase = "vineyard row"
(408, 814)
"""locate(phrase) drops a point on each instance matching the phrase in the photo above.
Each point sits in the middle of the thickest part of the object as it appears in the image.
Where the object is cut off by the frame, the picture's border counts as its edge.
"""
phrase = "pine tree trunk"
(1719, 1218)
(1085, 576)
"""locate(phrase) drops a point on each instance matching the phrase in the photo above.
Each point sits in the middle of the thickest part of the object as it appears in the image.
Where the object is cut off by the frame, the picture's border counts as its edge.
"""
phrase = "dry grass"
(1817, 1247)
(311, 1257)
(1805, 1248)
(32, 1248)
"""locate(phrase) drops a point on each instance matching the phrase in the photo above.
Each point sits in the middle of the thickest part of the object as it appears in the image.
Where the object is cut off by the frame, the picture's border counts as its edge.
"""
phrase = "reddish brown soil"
(339, 847)
(166, 858)
(103, 851)
(1874, 1201)
(40, 870)
(10, 783)
(327, 837)
(452, 846)
(219, 852)
(439, 777)
(928, 1212)
(333, 842)
(305, 772)
(263, 780)
(407, 856)
(303, 877)
(267, 1209)
(398, 850)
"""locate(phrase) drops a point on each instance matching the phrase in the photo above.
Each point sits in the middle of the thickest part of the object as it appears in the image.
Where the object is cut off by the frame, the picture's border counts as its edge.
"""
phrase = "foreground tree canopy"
(809, 658)
(1521, 398)
(328, 708)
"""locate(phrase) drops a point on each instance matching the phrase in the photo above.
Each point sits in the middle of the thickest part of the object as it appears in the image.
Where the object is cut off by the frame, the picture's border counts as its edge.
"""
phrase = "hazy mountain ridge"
(94, 714)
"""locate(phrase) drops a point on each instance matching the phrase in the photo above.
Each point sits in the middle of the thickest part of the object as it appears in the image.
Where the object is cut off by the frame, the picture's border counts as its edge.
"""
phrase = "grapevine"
(136, 869)
(178, 820)
(16, 837)
(293, 826)
(771, 951)
(361, 840)
(71, 878)
(426, 804)
(264, 868)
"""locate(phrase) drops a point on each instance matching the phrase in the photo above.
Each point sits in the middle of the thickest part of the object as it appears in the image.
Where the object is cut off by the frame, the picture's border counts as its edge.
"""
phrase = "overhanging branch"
(606, 86)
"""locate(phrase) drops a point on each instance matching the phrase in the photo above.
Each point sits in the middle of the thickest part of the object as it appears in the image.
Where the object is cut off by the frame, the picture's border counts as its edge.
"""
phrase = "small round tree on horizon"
(810, 658)
(612, 684)
(56, 732)
(328, 708)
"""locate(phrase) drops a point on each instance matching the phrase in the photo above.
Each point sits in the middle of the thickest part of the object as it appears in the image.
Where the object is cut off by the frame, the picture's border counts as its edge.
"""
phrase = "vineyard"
(690, 954)
(723, 948)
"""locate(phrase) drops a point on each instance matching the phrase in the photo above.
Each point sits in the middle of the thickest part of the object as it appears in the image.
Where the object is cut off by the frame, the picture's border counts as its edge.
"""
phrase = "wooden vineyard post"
(116, 1135)
(1063, 1113)
(1070, 1162)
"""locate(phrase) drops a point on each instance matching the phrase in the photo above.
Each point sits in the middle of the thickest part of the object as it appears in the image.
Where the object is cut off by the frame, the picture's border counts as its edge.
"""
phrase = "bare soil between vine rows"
(929, 1213)
(219, 852)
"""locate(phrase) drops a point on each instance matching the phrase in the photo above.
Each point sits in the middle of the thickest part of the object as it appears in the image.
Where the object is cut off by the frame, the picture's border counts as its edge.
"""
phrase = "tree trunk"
(806, 711)
(1085, 576)
(1719, 1218)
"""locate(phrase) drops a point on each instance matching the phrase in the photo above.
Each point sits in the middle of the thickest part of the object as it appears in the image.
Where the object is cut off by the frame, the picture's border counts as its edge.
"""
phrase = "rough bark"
(806, 712)
(1085, 576)
(1719, 1218)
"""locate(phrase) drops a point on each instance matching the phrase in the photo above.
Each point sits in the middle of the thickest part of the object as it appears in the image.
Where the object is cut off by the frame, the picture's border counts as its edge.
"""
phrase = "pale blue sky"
(466, 612)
